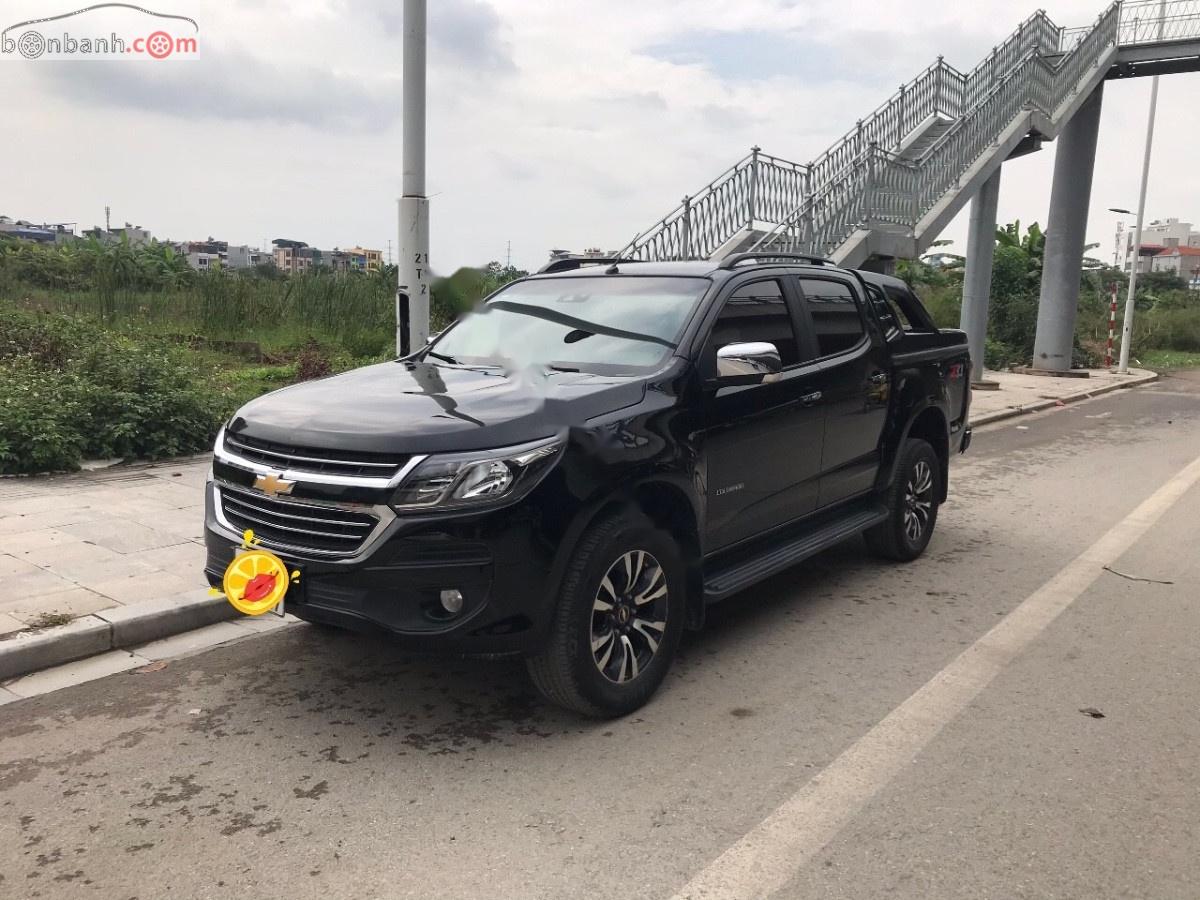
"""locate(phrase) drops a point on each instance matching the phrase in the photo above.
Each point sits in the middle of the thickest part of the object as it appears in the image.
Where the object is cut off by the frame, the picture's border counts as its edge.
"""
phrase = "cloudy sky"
(553, 123)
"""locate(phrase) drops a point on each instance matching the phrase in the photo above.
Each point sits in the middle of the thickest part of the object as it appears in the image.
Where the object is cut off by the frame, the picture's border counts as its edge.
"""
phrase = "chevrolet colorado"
(575, 470)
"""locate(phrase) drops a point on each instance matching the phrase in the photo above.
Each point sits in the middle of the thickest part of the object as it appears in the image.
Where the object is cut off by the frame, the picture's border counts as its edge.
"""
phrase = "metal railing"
(864, 180)
(900, 192)
(1148, 22)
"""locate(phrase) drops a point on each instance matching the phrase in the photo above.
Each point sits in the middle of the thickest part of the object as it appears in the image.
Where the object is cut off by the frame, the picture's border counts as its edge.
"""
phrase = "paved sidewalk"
(1019, 394)
(120, 550)
(72, 545)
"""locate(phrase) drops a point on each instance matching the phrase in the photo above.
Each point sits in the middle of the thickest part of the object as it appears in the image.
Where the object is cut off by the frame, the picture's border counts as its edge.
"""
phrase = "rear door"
(854, 383)
(761, 443)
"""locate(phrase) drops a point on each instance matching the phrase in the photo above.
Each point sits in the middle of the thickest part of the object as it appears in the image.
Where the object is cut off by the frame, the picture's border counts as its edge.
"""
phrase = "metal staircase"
(889, 185)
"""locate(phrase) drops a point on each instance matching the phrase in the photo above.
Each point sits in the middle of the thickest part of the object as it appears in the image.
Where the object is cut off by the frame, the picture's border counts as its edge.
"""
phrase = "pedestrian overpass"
(888, 187)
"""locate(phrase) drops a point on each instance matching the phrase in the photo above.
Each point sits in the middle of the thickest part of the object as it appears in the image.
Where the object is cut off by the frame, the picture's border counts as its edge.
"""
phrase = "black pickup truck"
(575, 470)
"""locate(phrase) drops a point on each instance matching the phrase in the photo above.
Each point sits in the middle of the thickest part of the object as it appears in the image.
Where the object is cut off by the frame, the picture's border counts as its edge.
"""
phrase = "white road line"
(766, 858)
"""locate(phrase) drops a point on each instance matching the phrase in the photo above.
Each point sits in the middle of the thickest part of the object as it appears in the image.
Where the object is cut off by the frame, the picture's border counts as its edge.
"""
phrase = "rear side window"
(890, 315)
(912, 314)
(837, 323)
(757, 312)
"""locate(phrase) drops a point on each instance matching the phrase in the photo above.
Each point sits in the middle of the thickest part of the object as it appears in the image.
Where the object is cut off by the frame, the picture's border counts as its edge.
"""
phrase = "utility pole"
(107, 218)
(508, 257)
(389, 262)
(412, 293)
(1127, 328)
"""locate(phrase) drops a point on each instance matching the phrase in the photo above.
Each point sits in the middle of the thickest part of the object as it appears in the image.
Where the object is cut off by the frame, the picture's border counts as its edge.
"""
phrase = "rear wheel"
(618, 622)
(912, 503)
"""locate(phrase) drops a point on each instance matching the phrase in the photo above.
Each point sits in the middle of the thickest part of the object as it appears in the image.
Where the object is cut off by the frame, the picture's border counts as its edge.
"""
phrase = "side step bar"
(723, 582)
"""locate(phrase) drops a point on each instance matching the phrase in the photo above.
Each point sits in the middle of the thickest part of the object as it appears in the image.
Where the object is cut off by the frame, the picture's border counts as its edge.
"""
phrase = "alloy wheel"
(918, 500)
(629, 616)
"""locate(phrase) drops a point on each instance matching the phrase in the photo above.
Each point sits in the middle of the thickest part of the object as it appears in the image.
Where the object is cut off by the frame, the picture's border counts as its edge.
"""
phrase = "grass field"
(1165, 360)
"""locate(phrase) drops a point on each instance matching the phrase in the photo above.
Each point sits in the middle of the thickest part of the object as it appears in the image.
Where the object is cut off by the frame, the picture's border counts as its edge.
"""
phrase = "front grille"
(306, 459)
(302, 527)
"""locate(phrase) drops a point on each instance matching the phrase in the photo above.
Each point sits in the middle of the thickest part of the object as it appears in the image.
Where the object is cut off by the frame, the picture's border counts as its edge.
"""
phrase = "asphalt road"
(849, 729)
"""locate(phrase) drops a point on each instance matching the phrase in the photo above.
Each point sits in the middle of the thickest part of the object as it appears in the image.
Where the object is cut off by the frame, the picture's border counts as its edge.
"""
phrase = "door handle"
(879, 378)
(810, 399)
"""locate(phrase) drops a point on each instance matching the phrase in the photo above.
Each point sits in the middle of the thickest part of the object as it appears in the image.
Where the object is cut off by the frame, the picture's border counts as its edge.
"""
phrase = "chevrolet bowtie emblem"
(272, 485)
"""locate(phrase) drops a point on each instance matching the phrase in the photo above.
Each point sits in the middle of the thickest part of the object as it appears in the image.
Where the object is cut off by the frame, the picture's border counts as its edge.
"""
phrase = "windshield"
(607, 324)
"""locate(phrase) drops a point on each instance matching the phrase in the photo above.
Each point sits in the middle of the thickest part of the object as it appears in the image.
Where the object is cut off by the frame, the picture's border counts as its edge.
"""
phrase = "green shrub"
(998, 355)
(944, 303)
(41, 413)
(147, 402)
(73, 391)
(1170, 328)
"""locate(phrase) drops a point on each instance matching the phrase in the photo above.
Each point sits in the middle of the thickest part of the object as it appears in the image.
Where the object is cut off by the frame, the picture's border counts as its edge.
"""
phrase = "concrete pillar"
(1065, 235)
(884, 265)
(977, 279)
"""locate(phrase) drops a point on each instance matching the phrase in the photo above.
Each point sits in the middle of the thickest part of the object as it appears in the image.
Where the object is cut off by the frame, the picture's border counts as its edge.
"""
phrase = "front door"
(854, 384)
(761, 443)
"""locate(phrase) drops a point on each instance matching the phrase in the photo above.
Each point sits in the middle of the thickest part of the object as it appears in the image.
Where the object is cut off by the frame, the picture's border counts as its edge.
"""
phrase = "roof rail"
(735, 259)
(569, 263)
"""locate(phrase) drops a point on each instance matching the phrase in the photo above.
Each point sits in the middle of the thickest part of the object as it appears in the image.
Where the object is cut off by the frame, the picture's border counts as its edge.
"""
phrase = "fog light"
(452, 601)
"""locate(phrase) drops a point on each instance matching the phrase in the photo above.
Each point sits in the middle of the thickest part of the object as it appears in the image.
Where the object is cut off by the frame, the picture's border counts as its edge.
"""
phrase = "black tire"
(912, 503)
(569, 671)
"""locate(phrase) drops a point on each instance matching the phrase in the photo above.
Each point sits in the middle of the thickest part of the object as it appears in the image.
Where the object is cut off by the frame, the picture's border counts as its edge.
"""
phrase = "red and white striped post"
(1112, 327)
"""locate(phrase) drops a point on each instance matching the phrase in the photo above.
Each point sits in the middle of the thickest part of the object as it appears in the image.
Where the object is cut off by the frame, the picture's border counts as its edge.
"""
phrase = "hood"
(424, 407)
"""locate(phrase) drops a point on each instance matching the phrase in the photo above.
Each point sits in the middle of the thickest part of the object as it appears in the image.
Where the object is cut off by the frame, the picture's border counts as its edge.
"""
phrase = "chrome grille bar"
(307, 459)
(307, 528)
(296, 457)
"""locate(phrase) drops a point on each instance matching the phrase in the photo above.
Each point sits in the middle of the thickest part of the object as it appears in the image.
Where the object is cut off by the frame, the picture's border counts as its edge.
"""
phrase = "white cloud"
(552, 122)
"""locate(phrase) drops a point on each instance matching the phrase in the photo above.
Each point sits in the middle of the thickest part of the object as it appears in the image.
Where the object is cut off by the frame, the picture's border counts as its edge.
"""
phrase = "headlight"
(454, 481)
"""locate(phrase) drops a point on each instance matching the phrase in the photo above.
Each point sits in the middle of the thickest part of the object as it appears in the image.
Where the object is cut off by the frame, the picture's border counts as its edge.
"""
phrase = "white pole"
(412, 294)
(1127, 328)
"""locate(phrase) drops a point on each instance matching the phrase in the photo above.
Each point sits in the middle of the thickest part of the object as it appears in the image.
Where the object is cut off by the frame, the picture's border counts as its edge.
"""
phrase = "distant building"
(45, 234)
(1165, 234)
(202, 255)
(297, 258)
(1181, 261)
(371, 260)
(135, 234)
(342, 260)
(589, 253)
(205, 255)
(246, 257)
(291, 257)
(942, 260)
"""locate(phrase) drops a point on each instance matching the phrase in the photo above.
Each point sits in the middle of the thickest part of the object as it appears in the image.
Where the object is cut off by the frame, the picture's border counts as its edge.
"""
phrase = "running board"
(724, 582)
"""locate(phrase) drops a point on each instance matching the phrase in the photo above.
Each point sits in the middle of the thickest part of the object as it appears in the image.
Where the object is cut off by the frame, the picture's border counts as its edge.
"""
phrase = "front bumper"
(500, 560)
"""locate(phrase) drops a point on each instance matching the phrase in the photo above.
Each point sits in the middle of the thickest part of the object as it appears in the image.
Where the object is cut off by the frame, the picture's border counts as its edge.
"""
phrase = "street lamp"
(1127, 328)
(412, 289)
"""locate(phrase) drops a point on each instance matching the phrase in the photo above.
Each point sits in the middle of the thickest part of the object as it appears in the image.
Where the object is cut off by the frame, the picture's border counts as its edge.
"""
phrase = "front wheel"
(618, 621)
(912, 503)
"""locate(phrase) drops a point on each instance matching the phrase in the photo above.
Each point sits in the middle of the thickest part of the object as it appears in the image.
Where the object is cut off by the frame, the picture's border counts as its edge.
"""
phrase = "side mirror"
(750, 363)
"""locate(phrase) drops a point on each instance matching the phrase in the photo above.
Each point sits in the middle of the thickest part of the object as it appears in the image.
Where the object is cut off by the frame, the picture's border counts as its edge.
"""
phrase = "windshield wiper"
(572, 322)
(554, 367)
(446, 359)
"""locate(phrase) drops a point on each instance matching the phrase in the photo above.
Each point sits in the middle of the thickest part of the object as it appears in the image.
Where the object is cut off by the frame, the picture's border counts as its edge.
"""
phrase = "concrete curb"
(111, 629)
(1013, 412)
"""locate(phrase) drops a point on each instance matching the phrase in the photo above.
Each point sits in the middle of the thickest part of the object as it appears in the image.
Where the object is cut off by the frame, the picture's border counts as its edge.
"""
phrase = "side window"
(888, 317)
(757, 312)
(909, 307)
(837, 323)
(890, 313)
